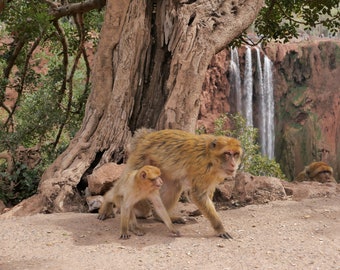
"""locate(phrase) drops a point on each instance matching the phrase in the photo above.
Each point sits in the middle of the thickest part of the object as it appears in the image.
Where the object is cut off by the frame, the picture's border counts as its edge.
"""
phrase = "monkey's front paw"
(125, 236)
(225, 235)
(105, 216)
(101, 216)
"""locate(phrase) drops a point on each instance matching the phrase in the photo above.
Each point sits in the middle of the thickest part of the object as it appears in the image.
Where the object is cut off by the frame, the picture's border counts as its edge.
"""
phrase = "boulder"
(102, 178)
(309, 189)
(94, 202)
(257, 189)
(249, 189)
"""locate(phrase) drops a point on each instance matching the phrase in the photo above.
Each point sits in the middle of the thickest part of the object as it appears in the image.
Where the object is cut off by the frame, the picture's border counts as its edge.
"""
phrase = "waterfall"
(269, 106)
(236, 78)
(261, 103)
(244, 97)
(248, 89)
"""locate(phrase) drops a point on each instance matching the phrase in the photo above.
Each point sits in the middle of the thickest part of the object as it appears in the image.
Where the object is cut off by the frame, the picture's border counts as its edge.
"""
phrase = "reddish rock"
(216, 91)
(307, 95)
(257, 189)
(224, 191)
(249, 189)
(102, 178)
(309, 190)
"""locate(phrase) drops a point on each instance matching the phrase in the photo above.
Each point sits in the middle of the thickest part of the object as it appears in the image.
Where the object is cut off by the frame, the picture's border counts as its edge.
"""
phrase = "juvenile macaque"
(131, 188)
(316, 171)
(187, 161)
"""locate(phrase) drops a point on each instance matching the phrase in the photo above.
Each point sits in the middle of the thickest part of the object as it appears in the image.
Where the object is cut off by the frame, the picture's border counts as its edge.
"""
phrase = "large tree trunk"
(149, 70)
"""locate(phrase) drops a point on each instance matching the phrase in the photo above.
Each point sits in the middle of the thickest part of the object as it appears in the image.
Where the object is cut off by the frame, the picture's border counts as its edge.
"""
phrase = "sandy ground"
(278, 235)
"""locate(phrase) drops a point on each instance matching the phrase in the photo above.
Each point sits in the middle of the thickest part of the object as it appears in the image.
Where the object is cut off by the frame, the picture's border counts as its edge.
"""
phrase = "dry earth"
(278, 235)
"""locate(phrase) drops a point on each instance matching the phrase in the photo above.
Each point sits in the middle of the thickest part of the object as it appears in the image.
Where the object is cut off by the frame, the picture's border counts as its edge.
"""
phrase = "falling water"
(235, 78)
(248, 89)
(261, 104)
(269, 105)
(266, 105)
(266, 96)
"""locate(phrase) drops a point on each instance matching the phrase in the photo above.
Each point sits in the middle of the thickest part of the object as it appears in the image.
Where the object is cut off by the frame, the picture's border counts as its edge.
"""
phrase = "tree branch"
(20, 89)
(74, 8)
(78, 19)
(63, 41)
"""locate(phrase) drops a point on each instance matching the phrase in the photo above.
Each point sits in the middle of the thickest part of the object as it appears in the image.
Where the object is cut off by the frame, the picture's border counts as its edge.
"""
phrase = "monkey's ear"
(143, 174)
(213, 144)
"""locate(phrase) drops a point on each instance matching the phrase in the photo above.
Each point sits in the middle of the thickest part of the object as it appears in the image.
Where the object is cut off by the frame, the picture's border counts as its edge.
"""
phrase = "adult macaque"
(316, 171)
(187, 161)
(131, 188)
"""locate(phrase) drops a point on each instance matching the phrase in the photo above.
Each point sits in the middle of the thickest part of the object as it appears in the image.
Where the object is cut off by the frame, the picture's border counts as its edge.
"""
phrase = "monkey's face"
(152, 183)
(232, 161)
(229, 152)
(323, 177)
(156, 182)
(150, 176)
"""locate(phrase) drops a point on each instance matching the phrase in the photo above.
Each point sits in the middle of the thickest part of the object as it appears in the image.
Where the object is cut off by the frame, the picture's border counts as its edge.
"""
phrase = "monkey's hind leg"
(170, 194)
(106, 211)
(133, 225)
(163, 214)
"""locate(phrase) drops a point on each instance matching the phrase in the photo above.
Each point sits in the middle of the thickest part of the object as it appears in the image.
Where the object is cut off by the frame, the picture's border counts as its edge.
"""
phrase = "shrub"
(252, 161)
(20, 184)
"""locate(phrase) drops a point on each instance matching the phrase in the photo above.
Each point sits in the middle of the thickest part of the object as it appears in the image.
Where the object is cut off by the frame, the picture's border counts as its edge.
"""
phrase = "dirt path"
(278, 235)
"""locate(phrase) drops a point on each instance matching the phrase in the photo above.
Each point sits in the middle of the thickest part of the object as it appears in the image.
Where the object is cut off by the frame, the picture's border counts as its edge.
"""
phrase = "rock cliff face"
(307, 94)
(306, 77)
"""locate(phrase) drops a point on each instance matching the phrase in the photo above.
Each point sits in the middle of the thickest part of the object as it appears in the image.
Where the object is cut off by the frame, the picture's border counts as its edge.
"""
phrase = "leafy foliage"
(280, 19)
(29, 18)
(285, 19)
(252, 161)
(45, 67)
(20, 184)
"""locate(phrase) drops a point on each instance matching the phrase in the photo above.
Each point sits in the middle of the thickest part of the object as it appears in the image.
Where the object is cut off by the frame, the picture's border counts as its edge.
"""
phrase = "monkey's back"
(178, 154)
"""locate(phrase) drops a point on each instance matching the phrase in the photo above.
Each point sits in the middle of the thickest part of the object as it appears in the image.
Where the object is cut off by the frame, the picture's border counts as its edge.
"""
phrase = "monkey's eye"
(228, 155)
(237, 155)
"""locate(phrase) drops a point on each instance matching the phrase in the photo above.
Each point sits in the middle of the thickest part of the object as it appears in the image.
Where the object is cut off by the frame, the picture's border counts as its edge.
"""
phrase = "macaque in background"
(187, 161)
(316, 171)
(131, 188)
